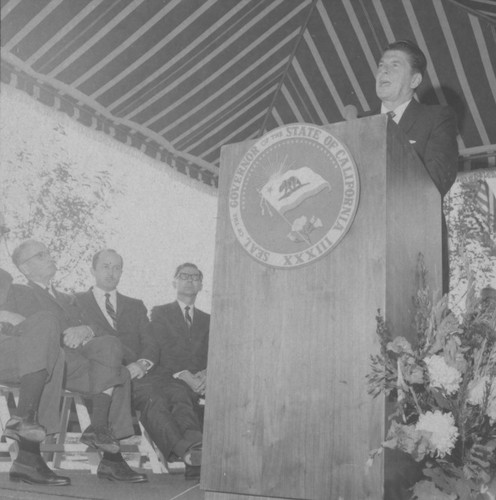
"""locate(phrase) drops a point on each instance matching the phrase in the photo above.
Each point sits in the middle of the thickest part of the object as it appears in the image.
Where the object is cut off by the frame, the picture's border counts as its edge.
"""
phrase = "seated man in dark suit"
(127, 319)
(93, 359)
(32, 359)
(178, 351)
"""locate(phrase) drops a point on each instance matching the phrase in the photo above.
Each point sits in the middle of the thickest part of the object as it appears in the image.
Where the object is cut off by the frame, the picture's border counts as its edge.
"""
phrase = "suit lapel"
(95, 309)
(45, 296)
(409, 116)
(120, 305)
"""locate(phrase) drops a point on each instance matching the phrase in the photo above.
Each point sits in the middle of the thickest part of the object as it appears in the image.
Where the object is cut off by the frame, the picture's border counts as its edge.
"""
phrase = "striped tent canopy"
(180, 78)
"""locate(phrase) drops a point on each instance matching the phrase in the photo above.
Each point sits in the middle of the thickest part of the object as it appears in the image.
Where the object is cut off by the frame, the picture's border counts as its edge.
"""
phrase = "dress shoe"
(119, 471)
(192, 472)
(101, 438)
(193, 455)
(39, 473)
(26, 428)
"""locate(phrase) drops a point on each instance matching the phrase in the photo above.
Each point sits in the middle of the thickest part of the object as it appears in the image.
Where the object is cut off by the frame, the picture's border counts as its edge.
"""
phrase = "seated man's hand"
(190, 379)
(75, 336)
(201, 377)
(136, 370)
(11, 317)
(196, 381)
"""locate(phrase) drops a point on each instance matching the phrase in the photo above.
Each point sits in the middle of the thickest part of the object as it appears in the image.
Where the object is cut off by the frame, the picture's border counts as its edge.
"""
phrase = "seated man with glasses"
(93, 359)
(177, 349)
(32, 360)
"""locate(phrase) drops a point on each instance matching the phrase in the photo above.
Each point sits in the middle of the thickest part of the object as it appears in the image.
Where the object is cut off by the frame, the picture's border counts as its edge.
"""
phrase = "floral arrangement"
(443, 388)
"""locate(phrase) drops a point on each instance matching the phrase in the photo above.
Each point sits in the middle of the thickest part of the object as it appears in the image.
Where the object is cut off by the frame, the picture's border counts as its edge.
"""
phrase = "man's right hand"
(136, 370)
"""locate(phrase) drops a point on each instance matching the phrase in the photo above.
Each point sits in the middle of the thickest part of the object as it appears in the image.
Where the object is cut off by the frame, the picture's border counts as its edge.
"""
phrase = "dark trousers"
(97, 366)
(169, 413)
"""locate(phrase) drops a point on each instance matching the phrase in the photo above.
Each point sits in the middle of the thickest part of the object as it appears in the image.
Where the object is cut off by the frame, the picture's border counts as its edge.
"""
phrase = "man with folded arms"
(92, 359)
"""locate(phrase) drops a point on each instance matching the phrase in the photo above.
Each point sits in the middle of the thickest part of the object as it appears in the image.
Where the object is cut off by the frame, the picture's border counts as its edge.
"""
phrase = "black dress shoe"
(192, 472)
(39, 473)
(26, 428)
(119, 471)
(100, 438)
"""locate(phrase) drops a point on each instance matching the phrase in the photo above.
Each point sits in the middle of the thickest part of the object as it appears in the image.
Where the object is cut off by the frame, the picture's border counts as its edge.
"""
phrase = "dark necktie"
(187, 317)
(110, 310)
(391, 114)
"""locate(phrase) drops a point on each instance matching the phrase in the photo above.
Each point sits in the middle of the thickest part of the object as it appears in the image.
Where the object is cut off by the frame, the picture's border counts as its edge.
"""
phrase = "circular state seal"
(293, 196)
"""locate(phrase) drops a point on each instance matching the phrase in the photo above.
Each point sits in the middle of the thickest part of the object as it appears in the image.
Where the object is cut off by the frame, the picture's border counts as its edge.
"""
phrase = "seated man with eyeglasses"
(93, 361)
(168, 395)
(32, 360)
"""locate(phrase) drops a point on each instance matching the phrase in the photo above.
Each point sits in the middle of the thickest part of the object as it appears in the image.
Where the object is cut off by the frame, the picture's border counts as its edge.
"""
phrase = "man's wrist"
(146, 364)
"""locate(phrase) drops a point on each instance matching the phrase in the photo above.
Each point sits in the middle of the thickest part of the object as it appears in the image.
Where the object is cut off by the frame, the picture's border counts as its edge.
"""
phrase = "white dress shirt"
(398, 111)
(182, 305)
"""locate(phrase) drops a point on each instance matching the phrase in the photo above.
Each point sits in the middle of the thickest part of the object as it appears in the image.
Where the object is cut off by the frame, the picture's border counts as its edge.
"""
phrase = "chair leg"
(148, 449)
(64, 423)
(8, 446)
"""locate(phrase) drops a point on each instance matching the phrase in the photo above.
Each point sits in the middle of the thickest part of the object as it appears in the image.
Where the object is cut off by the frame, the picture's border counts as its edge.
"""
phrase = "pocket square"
(412, 142)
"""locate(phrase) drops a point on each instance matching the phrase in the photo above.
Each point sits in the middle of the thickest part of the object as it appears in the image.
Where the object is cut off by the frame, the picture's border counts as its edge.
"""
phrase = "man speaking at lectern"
(431, 130)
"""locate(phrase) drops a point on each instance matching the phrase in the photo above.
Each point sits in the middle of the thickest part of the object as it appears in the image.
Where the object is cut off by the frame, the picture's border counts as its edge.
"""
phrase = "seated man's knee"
(107, 347)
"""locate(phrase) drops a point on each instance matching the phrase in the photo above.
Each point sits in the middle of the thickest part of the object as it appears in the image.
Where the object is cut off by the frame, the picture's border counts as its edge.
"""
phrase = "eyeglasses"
(186, 276)
(42, 254)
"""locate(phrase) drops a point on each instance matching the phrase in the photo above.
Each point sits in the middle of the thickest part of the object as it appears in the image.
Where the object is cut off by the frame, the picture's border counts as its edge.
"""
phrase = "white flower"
(440, 431)
(476, 392)
(442, 375)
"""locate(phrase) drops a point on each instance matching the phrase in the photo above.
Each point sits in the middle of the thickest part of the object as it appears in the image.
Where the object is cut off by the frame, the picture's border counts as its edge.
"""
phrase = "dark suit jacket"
(175, 348)
(432, 131)
(30, 299)
(5, 282)
(132, 322)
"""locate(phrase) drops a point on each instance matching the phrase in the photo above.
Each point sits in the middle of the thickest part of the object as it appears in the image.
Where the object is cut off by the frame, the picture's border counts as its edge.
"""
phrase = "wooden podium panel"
(288, 415)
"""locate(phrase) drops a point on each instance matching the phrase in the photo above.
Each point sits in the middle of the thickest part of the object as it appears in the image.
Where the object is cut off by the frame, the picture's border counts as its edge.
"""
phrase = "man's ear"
(416, 81)
(22, 268)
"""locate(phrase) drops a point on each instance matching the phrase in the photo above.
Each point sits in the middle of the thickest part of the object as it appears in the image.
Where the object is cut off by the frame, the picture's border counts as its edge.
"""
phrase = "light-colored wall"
(160, 219)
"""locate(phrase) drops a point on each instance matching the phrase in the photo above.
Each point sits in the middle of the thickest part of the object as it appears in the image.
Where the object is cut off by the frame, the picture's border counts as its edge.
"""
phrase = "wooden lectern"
(288, 415)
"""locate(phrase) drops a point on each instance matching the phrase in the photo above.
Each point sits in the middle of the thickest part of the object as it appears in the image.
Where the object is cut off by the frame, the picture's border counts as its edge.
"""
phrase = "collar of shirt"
(398, 111)
(100, 298)
(182, 305)
(48, 288)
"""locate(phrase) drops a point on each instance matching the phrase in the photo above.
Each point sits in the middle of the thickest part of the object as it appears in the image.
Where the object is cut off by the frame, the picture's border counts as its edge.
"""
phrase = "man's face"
(185, 283)
(108, 271)
(36, 263)
(395, 81)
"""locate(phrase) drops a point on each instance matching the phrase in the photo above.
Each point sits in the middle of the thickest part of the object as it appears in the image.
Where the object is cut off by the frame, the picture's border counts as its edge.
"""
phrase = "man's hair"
(187, 264)
(97, 256)
(417, 58)
(16, 254)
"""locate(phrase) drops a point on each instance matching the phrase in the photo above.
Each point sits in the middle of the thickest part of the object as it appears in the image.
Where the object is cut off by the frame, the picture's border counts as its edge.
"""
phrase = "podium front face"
(288, 414)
